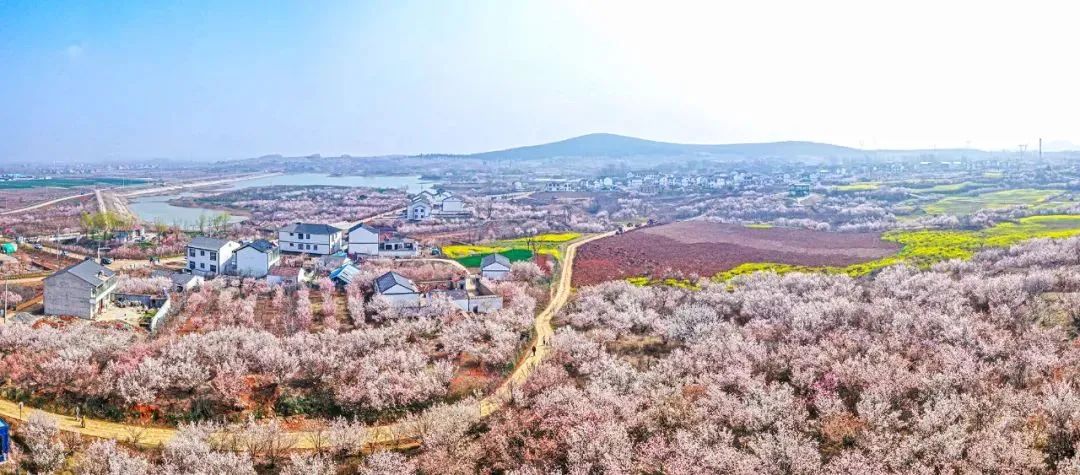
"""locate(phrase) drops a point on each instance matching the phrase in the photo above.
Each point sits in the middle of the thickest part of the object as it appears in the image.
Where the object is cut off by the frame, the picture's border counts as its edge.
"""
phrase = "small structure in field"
(81, 290)
(185, 282)
(287, 276)
(471, 295)
(495, 266)
(397, 288)
(345, 274)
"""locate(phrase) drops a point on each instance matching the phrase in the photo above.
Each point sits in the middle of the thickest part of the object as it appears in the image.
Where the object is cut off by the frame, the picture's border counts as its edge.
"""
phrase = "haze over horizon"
(211, 81)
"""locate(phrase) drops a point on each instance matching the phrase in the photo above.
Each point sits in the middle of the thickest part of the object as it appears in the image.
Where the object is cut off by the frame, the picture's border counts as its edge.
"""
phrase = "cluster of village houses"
(88, 288)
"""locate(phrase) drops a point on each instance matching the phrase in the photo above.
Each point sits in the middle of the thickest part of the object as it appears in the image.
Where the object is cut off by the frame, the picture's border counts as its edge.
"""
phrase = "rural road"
(393, 435)
(44, 204)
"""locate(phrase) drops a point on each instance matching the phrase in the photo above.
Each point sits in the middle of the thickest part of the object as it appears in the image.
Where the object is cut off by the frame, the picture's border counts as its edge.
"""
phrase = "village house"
(308, 238)
(427, 205)
(495, 266)
(287, 276)
(471, 295)
(256, 258)
(81, 290)
(344, 274)
(208, 257)
(398, 289)
(365, 240)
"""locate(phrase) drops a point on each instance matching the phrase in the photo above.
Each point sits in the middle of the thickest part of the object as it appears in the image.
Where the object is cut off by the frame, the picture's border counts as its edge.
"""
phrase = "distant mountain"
(611, 145)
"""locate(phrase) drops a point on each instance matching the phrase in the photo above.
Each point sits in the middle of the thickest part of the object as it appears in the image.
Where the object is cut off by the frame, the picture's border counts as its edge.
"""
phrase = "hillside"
(611, 145)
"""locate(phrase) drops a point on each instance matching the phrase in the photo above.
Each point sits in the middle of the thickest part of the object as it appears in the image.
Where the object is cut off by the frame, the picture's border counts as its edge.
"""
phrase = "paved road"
(393, 435)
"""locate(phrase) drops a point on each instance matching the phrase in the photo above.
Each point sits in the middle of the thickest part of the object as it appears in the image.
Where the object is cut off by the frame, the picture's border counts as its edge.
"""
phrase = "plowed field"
(705, 249)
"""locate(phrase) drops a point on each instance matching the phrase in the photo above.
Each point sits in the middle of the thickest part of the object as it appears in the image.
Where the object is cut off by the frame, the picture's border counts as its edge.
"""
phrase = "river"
(156, 208)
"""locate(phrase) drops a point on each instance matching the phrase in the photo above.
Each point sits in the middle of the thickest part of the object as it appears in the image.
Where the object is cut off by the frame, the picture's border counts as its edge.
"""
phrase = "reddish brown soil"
(705, 249)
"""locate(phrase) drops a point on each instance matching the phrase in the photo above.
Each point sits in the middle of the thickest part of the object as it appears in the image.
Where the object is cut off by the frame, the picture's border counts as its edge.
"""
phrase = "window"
(213, 256)
(213, 268)
(202, 253)
(291, 234)
(191, 265)
(191, 251)
(202, 265)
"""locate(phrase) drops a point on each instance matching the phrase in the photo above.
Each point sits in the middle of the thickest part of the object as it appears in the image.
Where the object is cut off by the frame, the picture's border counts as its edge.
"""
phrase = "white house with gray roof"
(306, 238)
(398, 289)
(495, 266)
(256, 258)
(81, 290)
(208, 257)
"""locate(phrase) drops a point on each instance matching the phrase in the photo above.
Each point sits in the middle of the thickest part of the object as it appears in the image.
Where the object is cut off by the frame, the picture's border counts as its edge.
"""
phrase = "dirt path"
(393, 435)
(44, 204)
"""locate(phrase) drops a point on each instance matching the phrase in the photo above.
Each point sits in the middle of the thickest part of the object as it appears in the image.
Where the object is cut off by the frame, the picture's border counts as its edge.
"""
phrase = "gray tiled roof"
(309, 228)
(89, 271)
(260, 245)
(208, 243)
(494, 258)
(390, 279)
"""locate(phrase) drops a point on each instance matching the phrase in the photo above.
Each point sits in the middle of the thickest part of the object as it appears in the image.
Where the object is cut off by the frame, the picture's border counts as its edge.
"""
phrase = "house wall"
(252, 263)
(495, 272)
(66, 294)
(453, 205)
(362, 241)
(309, 243)
(401, 296)
(480, 304)
(204, 262)
(419, 211)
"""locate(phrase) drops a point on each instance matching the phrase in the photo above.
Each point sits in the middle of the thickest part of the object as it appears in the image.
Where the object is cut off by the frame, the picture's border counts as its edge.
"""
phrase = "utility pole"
(1040, 149)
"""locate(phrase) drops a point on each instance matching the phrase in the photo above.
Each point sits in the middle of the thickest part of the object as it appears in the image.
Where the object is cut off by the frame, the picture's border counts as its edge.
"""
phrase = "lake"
(157, 208)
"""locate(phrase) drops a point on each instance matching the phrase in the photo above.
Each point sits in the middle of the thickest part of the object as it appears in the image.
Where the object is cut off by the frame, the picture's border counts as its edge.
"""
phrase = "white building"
(443, 204)
(82, 290)
(397, 288)
(363, 239)
(310, 238)
(209, 256)
(256, 258)
(495, 266)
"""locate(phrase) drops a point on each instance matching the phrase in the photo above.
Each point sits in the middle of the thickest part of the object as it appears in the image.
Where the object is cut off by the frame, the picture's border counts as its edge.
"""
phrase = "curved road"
(392, 435)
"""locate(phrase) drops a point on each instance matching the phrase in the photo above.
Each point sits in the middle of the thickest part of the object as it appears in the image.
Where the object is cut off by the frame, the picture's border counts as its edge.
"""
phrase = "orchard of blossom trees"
(967, 368)
(237, 346)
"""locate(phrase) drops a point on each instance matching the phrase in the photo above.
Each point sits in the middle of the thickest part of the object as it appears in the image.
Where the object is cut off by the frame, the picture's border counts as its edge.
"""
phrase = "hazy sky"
(99, 80)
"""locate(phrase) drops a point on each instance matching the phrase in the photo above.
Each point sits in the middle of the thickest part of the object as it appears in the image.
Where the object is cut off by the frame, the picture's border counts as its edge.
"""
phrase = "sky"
(217, 80)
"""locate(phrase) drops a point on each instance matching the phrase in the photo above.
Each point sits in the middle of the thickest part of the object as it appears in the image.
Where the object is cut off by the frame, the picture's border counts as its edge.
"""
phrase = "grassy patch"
(669, 282)
(758, 225)
(961, 205)
(923, 248)
(858, 186)
(517, 249)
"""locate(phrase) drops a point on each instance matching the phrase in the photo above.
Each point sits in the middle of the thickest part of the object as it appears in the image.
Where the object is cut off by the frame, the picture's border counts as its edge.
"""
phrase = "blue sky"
(211, 80)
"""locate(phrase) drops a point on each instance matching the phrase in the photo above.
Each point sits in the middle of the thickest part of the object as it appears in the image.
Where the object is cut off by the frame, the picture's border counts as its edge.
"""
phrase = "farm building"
(344, 275)
(495, 266)
(397, 288)
(80, 290)
(287, 276)
(363, 239)
(471, 295)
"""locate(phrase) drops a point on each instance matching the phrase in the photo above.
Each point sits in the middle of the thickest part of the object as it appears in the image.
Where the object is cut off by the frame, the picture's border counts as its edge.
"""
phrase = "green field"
(518, 249)
(923, 248)
(962, 205)
(858, 186)
(67, 183)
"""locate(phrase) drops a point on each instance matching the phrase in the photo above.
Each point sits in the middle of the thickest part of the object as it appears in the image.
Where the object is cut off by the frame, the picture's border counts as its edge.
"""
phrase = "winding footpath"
(388, 436)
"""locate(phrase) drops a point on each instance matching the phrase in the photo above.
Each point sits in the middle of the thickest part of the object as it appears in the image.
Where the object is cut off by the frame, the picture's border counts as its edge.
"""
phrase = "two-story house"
(210, 256)
(310, 238)
(256, 258)
(81, 290)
